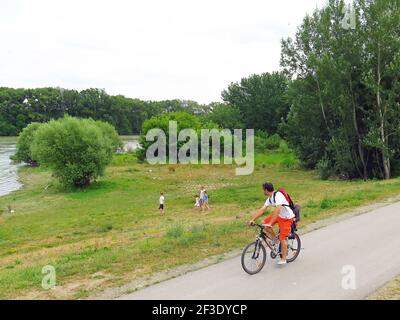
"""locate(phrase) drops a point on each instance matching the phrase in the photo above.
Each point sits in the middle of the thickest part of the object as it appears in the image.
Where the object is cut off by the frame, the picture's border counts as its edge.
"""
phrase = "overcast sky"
(150, 49)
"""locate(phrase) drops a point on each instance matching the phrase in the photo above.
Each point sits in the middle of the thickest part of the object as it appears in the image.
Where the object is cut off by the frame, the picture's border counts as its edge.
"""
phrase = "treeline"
(20, 107)
(345, 94)
(336, 100)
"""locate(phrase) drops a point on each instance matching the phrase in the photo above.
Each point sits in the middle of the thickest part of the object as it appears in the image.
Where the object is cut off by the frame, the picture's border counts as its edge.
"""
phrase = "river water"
(9, 171)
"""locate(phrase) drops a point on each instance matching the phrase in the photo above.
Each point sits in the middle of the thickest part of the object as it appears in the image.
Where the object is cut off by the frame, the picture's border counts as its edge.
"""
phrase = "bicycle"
(257, 249)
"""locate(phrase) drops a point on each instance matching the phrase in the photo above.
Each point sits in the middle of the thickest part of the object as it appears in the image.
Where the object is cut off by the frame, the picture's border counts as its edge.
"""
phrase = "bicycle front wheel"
(254, 257)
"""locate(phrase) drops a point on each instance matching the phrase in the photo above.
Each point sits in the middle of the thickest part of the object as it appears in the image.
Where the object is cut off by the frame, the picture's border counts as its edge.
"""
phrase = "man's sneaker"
(281, 262)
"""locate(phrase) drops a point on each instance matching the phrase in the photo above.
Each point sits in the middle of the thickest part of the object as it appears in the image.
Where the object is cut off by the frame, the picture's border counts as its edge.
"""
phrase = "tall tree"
(226, 116)
(381, 61)
(350, 80)
(261, 100)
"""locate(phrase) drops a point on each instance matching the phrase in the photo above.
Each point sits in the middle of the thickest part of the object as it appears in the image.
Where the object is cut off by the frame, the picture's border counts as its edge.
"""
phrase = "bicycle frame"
(262, 238)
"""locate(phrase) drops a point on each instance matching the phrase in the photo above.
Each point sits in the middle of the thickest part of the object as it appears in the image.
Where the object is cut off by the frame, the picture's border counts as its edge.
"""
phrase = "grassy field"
(391, 291)
(112, 233)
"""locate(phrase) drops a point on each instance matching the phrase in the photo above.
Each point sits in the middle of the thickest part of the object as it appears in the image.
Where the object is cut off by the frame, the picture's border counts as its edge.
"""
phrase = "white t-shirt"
(162, 200)
(286, 212)
(202, 194)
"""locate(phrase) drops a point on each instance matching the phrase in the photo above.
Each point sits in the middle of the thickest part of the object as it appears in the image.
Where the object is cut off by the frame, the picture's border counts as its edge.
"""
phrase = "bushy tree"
(76, 150)
(261, 100)
(226, 116)
(184, 121)
(25, 140)
(110, 133)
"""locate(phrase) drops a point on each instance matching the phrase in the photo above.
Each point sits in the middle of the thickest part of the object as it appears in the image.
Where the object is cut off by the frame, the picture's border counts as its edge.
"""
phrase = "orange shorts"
(285, 226)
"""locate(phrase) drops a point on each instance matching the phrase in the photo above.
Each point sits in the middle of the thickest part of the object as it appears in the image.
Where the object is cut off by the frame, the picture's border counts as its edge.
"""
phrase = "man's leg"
(270, 221)
(284, 230)
(270, 232)
(274, 219)
(283, 249)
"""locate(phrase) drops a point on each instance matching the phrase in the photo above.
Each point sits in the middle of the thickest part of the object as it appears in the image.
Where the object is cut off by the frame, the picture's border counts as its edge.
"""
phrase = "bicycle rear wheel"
(294, 247)
(254, 257)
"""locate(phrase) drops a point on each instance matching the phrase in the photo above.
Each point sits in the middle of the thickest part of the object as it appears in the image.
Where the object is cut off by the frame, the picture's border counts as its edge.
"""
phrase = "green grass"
(112, 232)
(287, 159)
(390, 291)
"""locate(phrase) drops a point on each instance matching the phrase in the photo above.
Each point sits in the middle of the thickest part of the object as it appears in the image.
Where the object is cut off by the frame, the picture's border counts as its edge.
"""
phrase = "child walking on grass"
(162, 203)
(206, 206)
(197, 203)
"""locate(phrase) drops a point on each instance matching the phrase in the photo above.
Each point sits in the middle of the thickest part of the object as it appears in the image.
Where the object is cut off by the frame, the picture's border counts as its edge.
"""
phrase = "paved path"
(370, 242)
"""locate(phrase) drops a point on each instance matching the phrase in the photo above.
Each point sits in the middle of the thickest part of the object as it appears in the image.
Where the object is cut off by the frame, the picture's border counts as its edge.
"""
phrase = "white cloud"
(153, 49)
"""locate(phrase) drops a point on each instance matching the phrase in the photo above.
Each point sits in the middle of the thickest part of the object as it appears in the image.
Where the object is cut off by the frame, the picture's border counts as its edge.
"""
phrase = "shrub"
(264, 143)
(324, 169)
(76, 150)
(24, 143)
(283, 147)
(176, 230)
(273, 142)
(289, 163)
(260, 145)
(327, 203)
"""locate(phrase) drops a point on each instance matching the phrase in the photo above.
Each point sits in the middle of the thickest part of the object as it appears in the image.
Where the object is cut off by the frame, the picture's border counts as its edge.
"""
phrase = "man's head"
(268, 188)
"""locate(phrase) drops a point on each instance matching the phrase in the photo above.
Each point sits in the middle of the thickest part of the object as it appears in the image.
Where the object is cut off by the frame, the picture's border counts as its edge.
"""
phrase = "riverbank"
(9, 180)
(112, 233)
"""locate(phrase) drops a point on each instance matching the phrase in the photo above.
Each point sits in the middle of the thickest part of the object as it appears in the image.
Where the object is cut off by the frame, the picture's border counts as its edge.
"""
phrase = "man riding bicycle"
(283, 215)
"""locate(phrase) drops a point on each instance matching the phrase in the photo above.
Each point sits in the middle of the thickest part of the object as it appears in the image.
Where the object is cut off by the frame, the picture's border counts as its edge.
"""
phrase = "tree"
(381, 60)
(184, 120)
(226, 116)
(76, 150)
(25, 139)
(345, 94)
(111, 135)
(261, 100)
(20, 107)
